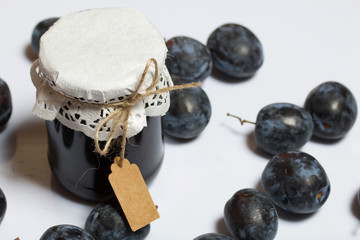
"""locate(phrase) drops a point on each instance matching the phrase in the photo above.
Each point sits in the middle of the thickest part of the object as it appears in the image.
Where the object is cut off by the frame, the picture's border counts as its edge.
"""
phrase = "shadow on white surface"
(293, 217)
(8, 145)
(216, 74)
(61, 191)
(29, 53)
(259, 186)
(29, 160)
(325, 141)
(255, 149)
(172, 140)
(221, 227)
(249, 138)
(355, 207)
(30, 146)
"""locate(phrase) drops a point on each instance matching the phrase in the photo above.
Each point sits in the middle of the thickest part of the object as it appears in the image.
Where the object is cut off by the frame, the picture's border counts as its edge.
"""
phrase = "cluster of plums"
(292, 180)
(231, 49)
(329, 112)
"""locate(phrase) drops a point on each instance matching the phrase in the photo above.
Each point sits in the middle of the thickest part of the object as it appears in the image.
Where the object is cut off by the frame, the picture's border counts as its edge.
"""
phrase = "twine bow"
(123, 109)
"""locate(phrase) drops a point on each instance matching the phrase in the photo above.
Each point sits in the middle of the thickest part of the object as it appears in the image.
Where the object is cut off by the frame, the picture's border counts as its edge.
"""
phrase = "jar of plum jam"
(87, 174)
(89, 62)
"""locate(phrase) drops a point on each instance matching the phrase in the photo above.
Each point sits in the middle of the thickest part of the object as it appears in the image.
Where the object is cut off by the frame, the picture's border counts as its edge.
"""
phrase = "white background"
(305, 43)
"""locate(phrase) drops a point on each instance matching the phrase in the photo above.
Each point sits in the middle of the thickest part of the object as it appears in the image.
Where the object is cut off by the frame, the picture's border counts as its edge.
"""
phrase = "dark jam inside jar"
(84, 172)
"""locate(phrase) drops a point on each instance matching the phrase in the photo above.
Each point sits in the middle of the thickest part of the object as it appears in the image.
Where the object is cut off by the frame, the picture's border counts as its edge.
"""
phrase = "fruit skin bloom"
(3, 205)
(250, 215)
(65, 231)
(333, 109)
(213, 236)
(188, 59)
(5, 103)
(107, 221)
(296, 182)
(236, 51)
(189, 113)
(281, 127)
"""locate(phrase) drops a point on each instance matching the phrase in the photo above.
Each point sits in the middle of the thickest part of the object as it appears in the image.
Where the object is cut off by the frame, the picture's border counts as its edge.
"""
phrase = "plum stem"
(242, 121)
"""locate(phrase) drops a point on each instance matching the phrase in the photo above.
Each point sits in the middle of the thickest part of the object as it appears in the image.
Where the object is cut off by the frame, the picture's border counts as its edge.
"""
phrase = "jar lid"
(98, 56)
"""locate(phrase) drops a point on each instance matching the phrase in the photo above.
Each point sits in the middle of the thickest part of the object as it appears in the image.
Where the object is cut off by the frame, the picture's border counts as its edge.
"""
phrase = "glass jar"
(85, 173)
(94, 68)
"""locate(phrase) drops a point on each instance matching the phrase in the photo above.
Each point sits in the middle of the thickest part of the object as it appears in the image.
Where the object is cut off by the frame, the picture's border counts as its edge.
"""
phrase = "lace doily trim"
(77, 114)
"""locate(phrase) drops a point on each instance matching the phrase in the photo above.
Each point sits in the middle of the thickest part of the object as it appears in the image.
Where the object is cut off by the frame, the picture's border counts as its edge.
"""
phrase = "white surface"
(305, 43)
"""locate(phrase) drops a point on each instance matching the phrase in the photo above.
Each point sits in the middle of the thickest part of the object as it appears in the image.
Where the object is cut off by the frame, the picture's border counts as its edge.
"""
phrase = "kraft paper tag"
(133, 195)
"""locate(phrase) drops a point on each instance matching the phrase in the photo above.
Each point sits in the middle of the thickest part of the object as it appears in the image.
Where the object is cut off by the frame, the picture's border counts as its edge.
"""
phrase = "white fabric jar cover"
(98, 56)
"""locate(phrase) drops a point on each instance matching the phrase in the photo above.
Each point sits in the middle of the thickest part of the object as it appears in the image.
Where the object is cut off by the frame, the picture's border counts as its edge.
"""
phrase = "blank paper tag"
(133, 195)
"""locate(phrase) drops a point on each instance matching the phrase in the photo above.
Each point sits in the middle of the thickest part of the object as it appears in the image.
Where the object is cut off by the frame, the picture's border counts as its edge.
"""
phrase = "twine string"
(123, 109)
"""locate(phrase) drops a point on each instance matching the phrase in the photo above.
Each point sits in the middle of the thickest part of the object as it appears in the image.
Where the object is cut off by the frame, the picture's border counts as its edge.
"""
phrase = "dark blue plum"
(235, 50)
(250, 215)
(5, 103)
(188, 59)
(3, 205)
(213, 236)
(107, 221)
(189, 113)
(66, 232)
(39, 30)
(281, 127)
(333, 109)
(296, 182)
